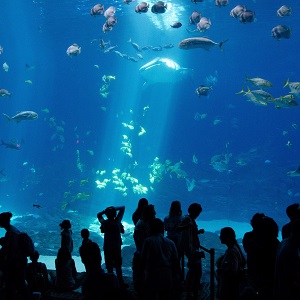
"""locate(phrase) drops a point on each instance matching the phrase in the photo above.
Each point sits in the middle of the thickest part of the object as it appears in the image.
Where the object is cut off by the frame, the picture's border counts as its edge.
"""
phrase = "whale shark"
(163, 70)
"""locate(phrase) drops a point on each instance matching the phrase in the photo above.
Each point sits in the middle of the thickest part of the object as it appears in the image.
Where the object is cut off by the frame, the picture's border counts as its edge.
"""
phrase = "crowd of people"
(261, 267)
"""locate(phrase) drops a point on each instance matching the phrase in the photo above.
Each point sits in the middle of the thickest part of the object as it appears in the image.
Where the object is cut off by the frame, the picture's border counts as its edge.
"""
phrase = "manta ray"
(163, 70)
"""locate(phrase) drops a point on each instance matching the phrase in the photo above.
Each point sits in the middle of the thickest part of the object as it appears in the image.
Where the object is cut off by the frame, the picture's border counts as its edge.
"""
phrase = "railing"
(211, 252)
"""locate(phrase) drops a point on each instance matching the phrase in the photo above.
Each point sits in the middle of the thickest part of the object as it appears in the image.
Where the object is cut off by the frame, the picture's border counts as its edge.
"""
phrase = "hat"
(66, 224)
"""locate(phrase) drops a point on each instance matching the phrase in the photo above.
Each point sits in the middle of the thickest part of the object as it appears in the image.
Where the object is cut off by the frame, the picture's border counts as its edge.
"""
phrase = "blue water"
(78, 132)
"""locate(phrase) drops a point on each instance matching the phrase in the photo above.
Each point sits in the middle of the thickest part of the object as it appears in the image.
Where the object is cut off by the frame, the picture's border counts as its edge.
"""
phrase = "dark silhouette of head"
(63, 254)
(175, 208)
(34, 257)
(65, 224)
(91, 256)
(157, 226)
(5, 219)
(293, 211)
(227, 236)
(256, 220)
(142, 203)
(269, 228)
(85, 233)
(149, 212)
(110, 212)
(195, 210)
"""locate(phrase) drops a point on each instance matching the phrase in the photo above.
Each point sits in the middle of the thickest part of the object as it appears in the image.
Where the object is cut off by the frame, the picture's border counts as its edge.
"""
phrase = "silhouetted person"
(173, 220)
(66, 273)
(139, 211)
(287, 269)
(230, 265)
(293, 213)
(85, 234)
(97, 284)
(112, 228)
(66, 235)
(37, 275)
(261, 247)
(141, 232)
(15, 260)
(189, 245)
(160, 262)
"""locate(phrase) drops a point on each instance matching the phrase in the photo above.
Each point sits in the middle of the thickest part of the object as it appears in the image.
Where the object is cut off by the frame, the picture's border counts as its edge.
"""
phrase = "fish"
(159, 8)
(260, 82)
(110, 12)
(294, 87)
(5, 67)
(261, 95)
(142, 8)
(252, 98)
(176, 25)
(284, 11)
(131, 58)
(73, 50)
(36, 206)
(190, 184)
(237, 11)
(128, 1)
(247, 16)
(23, 116)
(203, 24)
(195, 159)
(163, 70)
(221, 2)
(119, 53)
(168, 46)
(281, 32)
(4, 93)
(135, 45)
(194, 17)
(294, 173)
(97, 10)
(84, 181)
(110, 49)
(203, 90)
(286, 101)
(109, 24)
(103, 44)
(199, 42)
(158, 48)
(2, 172)
(14, 146)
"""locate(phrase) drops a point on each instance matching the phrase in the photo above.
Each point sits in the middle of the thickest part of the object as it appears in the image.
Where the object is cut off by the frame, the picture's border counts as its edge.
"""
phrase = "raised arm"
(100, 216)
(120, 214)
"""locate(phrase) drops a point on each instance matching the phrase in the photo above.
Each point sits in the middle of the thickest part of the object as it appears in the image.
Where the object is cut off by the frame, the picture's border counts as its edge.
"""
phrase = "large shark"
(163, 70)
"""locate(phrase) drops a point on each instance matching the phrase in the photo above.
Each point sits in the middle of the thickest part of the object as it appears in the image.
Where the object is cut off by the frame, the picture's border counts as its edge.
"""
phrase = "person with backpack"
(37, 275)
(15, 259)
(112, 229)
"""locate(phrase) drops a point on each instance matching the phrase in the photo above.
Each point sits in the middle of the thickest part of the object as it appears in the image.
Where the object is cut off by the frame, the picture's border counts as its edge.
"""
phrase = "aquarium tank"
(195, 101)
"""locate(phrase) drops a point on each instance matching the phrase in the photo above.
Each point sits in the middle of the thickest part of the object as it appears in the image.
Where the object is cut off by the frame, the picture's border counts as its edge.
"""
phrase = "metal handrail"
(212, 271)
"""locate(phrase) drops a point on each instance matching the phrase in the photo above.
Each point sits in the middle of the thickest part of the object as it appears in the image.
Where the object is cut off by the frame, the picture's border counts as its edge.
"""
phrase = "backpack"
(26, 244)
(37, 278)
